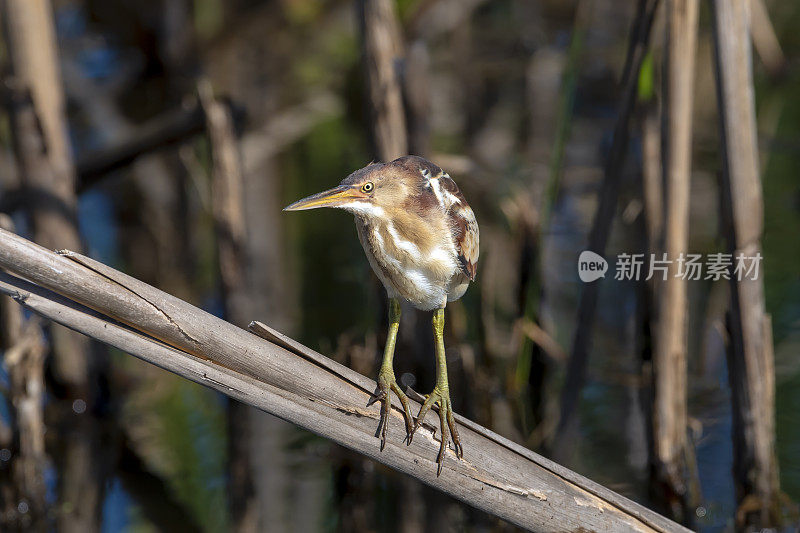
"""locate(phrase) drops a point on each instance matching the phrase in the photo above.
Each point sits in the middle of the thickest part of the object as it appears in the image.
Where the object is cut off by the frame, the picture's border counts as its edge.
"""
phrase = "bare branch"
(765, 40)
(39, 127)
(670, 409)
(305, 388)
(750, 356)
(382, 55)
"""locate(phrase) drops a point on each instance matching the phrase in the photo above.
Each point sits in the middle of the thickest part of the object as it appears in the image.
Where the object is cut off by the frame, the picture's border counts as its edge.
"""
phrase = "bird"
(421, 239)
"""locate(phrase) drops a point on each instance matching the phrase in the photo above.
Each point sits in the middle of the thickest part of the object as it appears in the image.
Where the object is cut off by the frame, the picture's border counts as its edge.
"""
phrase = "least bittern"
(421, 239)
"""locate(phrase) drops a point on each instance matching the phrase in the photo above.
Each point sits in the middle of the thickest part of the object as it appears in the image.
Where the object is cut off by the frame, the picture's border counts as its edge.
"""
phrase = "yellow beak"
(330, 198)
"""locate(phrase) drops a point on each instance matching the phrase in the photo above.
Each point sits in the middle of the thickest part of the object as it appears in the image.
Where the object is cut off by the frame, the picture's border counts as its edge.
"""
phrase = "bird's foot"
(386, 384)
(441, 397)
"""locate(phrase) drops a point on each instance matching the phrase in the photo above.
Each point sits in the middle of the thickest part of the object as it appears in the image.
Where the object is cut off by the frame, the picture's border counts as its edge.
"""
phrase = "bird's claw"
(386, 384)
(447, 422)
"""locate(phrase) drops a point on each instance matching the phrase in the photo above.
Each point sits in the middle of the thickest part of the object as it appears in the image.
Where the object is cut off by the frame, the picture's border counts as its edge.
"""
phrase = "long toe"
(387, 384)
(451, 423)
(406, 411)
(383, 397)
(447, 423)
(445, 438)
(423, 412)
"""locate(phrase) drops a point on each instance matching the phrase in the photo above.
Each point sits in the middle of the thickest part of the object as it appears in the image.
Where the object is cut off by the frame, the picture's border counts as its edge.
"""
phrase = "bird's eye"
(367, 187)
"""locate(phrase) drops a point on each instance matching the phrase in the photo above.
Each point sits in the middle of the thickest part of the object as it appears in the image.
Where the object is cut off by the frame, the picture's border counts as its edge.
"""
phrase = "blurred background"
(188, 124)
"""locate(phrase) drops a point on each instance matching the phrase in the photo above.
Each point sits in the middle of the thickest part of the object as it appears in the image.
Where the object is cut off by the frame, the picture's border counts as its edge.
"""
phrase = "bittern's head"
(374, 188)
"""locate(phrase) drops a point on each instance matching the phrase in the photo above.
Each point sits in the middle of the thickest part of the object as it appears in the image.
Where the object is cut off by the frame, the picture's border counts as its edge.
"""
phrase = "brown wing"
(463, 224)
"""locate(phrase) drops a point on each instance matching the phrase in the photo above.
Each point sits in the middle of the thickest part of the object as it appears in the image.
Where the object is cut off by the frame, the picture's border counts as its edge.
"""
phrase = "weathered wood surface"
(297, 384)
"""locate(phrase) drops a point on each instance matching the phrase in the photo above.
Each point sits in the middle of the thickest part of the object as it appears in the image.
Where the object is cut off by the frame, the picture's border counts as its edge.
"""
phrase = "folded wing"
(463, 225)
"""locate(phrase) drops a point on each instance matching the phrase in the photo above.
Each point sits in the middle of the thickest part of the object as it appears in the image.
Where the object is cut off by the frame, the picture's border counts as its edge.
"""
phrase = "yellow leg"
(387, 381)
(440, 396)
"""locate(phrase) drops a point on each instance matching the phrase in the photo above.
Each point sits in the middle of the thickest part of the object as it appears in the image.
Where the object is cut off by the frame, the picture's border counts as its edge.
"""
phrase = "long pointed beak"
(330, 198)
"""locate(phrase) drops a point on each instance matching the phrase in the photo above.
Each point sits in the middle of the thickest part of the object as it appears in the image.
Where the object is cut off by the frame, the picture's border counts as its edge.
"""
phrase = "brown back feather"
(460, 217)
(466, 237)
